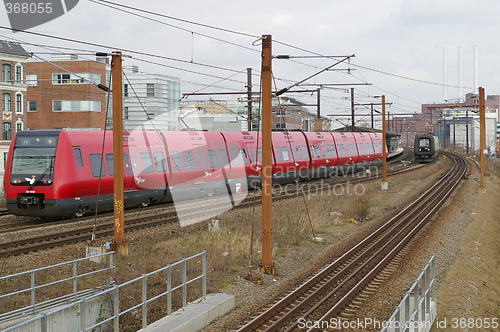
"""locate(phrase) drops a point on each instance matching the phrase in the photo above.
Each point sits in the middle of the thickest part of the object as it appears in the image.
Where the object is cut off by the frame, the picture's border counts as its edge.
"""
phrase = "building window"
(6, 131)
(76, 78)
(76, 106)
(32, 106)
(125, 113)
(125, 90)
(19, 103)
(19, 74)
(6, 102)
(19, 126)
(150, 90)
(31, 79)
(6, 72)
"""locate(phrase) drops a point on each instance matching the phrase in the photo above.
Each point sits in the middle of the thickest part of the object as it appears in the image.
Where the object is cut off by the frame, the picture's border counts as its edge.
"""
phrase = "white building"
(150, 101)
(456, 127)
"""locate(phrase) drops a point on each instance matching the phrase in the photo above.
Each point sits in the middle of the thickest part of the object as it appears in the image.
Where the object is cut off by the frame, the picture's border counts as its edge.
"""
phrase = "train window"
(197, 154)
(321, 151)
(203, 155)
(110, 163)
(341, 151)
(96, 165)
(135, 168)
(305, 153)
(298, 153)
(259, 155)
(146, 163)
(188, 160)
(286, 156)
(222, 157)
(277, 154)
(212, 159)
(33, 160)
(315, 152)
(126, 163)
(424, 142)
(329, 151)
(251, 154)
(78, 157)
(243, 154)
(176, 160)
(353, 149)
(235, 158)
(160, 161)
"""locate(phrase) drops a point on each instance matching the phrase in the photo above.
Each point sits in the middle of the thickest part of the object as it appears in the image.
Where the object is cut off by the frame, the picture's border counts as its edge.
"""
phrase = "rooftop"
(7, 47)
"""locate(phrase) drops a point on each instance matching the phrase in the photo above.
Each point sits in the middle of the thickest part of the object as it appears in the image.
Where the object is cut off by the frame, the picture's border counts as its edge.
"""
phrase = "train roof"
(366, 130)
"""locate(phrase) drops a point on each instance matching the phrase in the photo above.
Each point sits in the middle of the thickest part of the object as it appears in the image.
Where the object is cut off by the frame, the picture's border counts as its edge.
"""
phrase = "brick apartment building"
(62, 93)
(13, 91)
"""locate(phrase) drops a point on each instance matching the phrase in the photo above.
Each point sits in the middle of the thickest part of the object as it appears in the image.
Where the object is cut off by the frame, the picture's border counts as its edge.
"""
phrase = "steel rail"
(26, 245)
(273, 319)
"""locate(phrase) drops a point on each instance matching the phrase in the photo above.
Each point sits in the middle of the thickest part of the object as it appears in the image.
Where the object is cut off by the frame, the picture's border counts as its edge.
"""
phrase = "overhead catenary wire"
(109, 3)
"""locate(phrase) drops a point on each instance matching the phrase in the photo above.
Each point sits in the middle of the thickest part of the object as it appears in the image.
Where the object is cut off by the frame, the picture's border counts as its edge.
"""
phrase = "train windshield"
(425, 142)
(32, 166)
(33, 160)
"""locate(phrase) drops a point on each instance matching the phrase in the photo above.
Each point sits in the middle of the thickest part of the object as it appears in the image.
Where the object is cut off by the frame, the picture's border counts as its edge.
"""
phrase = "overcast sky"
(397, 44)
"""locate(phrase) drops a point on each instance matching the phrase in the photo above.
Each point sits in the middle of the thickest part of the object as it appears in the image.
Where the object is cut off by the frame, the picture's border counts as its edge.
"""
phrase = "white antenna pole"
(459, 73)
(476, 69)
(445, 74)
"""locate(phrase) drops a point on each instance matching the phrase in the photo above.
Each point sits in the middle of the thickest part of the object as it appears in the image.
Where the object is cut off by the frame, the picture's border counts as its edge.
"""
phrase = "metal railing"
(417, 310)
(36, 304)
(114, 294)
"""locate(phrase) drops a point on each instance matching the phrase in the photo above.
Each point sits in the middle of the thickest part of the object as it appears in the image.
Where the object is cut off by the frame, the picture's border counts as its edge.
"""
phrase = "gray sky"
(389, 37)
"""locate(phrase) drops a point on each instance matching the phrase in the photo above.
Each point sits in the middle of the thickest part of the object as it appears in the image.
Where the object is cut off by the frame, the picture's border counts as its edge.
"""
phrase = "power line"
(116, 48)
(110, 4)
(178, 19)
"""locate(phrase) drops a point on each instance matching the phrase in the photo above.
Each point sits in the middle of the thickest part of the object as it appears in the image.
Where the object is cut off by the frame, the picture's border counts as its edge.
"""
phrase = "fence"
(36, 304)
(418, 309)
(111, 316)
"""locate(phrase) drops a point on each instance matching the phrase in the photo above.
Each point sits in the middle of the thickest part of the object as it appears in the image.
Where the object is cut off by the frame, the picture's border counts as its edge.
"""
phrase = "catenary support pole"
(267, 266)
(384, 185)
(249, 98)
(482, 139)
(119, 244)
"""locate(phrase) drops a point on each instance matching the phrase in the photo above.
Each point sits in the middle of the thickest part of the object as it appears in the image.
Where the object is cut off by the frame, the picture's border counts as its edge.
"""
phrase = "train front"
(424, 150)
(29, 173)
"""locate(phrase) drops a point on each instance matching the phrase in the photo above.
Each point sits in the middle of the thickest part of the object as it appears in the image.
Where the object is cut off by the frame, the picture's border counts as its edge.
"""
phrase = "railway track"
(164, 215)
(338, 289)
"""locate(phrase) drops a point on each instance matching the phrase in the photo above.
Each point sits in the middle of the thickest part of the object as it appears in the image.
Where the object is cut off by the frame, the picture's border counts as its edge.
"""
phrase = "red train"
(59, 173)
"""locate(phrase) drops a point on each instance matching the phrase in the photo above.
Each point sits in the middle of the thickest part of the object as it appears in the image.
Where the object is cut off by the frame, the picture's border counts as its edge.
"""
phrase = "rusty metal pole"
(384, 185)
(467, 130)
(119, 244)
(267, 266)
(318, 123)
(482, 133)
(352, 110)
(249, 98)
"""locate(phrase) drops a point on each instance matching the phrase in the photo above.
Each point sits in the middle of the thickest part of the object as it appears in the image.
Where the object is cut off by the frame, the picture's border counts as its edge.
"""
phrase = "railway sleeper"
(346, 314)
